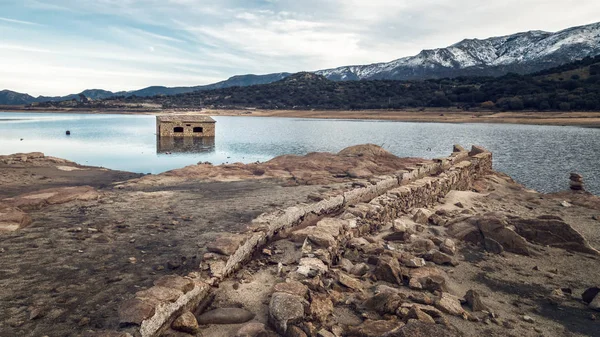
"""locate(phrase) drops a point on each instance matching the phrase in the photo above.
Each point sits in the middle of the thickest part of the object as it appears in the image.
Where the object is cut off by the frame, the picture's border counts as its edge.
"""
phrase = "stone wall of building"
(167, 129)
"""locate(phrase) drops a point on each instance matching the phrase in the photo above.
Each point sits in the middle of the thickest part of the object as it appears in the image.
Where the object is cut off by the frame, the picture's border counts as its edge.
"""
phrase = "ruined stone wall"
(380, 202)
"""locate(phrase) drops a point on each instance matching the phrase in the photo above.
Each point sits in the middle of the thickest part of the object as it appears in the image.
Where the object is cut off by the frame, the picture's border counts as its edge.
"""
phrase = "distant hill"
(547, 90)
(14, 98)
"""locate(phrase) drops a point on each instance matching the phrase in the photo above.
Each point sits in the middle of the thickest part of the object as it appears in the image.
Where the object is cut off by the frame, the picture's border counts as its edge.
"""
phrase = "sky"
(60, 47)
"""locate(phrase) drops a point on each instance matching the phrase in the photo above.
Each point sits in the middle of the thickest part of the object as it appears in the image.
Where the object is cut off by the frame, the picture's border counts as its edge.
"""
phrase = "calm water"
(541, 157)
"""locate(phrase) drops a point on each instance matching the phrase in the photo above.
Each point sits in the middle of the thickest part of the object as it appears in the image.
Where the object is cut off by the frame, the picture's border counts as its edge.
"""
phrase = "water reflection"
(167, 145)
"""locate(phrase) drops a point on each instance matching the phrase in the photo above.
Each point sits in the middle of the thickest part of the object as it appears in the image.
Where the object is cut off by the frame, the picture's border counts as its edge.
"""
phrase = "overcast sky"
(58, 47)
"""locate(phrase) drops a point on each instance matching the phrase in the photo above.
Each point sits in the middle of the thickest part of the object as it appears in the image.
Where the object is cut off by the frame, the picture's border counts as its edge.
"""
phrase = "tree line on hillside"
(512, 92)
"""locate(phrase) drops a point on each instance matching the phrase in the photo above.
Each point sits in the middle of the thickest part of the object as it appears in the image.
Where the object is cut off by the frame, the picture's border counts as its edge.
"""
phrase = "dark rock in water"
(226, 316)
(68, 133)
(589, 295)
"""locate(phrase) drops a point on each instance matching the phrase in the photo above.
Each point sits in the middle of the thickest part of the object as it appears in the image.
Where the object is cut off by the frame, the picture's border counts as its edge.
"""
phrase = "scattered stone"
(589, 295)
(175, 282)
(292, 288)
(416, 313)
(360, 269)
(473, 299)
(285, 310)
(440, 258)
(226, 244)
(475, 150)
(225, 316)
(458, 148)
(421, 329)
(294, 331)
(565, 204)
(449, 304)
(253, 329)
(311, 267)
(320, 307)
(422, 245)
(135, 311)
(415, 262)
(384, 303)
(325, 333)
(162, 294)
(346, 265)
(448, 247)
(528, 319)
(350, 282)
(388, 270)
(422, 216)
(374, 328)
(427, 278)
(186, 323)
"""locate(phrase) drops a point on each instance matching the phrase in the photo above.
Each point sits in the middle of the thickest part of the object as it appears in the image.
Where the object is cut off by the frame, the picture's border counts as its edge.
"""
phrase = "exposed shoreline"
(582, 119)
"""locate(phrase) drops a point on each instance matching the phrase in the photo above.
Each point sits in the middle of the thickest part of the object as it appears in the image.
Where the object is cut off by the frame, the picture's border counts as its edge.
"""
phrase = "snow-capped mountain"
(522, 53)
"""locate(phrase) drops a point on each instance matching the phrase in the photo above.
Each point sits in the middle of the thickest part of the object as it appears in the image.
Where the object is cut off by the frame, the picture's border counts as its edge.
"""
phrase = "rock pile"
(576, 182)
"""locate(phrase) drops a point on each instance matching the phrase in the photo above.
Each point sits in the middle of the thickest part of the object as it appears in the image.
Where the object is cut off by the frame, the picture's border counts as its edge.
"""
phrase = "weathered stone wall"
(375, 204)
(166, 129)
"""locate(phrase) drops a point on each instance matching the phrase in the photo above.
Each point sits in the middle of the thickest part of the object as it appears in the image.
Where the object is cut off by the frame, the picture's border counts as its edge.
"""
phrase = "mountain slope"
(521, 53)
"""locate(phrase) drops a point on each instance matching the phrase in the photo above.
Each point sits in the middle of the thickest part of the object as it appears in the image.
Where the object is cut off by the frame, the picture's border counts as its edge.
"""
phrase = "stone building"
(185, 126)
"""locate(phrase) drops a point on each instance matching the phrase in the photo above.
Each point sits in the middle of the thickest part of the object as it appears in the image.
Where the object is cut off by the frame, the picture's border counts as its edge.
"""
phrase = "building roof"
(185, 118)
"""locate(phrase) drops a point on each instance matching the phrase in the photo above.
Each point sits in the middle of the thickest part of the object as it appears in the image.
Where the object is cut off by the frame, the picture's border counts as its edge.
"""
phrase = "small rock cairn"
(576, 182)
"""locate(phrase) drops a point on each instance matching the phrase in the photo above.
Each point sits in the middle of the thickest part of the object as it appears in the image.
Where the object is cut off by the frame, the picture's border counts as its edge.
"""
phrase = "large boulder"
(52, 196)
(552, 232)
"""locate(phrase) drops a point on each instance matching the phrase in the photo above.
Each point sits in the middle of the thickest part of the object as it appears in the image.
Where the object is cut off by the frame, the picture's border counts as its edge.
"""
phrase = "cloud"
(19, 22)
(192, 42)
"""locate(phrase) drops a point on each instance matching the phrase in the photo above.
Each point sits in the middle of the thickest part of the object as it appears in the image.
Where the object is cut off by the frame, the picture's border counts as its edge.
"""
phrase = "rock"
(422, 216)
(528, 319)
(565, 204)
(292, 288)
(186, 323)
(285, 310)
(350, 282)
(320, 307)
(440, 258)
(448, 247)
(397, 236)
(416, 313)
(493, 246)
(12, 219)
(554, 233)
(253, 329)
(360, 269)
(497, 229)
(421, 329)
(449, 304)
(346, 265)
(384, 303)
(458, 148)
(311, 267)
(322, 239)
(325, 333)
(182, 284)
(388, 270)
(400, 226)
(595, 304)
(162, 294)
(294, 331)
(357, 243)
(427, 278)
(415, 262)
(135, 311)
(422, 245)
(226, 244)
(589, 295)
(373, 328)
(475, 150)
(473, 299)
(436, 220)
(225, 316)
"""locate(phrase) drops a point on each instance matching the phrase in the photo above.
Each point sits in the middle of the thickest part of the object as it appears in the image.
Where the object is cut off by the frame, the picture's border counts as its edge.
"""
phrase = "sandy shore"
(586, 119)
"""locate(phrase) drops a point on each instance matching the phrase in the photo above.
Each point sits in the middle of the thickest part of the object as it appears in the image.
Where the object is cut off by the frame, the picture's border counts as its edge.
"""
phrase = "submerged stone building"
(185, 126)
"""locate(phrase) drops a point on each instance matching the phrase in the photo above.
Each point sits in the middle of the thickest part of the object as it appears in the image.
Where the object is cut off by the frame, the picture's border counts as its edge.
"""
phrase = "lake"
(540, 157)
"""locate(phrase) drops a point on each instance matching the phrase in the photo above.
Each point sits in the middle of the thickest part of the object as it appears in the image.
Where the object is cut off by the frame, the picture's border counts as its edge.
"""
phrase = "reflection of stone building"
(185, 126)
(184, 144)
